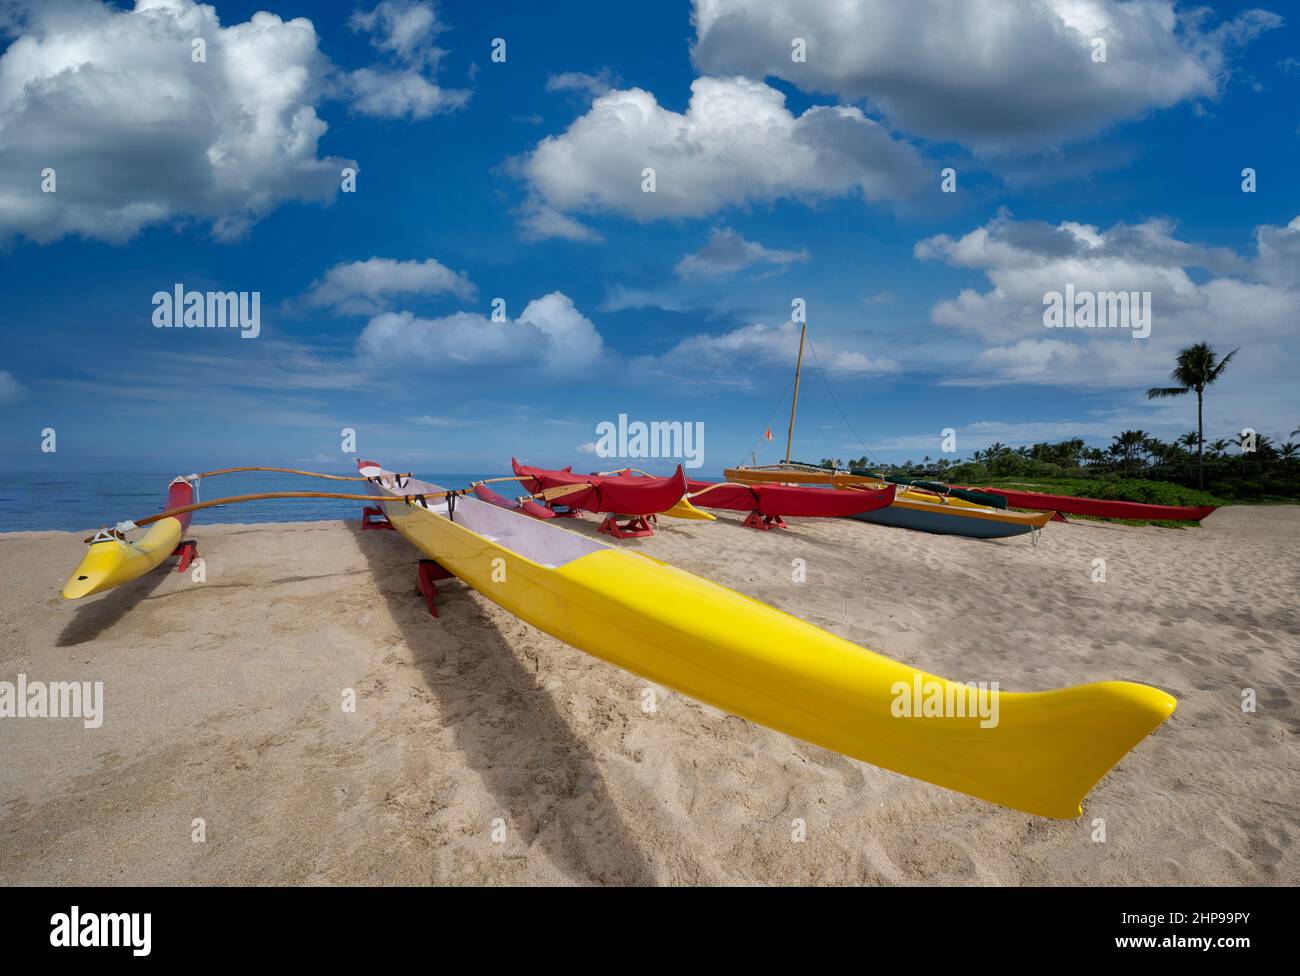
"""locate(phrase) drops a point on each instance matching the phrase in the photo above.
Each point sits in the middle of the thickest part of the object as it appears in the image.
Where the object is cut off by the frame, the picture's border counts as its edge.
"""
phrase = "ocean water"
(74, 503)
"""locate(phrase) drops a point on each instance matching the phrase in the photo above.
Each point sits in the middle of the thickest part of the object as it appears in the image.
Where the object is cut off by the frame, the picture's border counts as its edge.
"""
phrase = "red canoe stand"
(637, 527)
(427, 578)
(373, 517)
(757, 520)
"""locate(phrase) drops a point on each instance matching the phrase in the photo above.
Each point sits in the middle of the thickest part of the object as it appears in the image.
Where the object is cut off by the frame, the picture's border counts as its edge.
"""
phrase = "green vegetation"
(1135, 467)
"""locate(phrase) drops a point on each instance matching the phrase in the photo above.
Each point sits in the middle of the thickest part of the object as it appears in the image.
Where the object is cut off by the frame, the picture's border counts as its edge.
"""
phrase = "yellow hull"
(113, 562)
(918, 501)
(685, 510)
(1045, 752)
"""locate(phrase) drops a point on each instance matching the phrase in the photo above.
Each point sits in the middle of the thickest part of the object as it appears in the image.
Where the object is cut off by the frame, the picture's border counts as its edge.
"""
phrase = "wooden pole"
(549, 494)
(798, 366)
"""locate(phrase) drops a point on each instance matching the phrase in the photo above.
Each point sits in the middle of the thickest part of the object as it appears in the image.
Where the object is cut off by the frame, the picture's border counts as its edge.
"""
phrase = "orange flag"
(768, 434)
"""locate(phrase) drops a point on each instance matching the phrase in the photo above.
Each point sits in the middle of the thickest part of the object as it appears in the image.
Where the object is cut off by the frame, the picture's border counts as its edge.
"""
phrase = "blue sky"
(520, 180)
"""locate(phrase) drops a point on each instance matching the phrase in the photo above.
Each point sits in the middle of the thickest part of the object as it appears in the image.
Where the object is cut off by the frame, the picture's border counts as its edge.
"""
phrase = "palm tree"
(1128, 447)
(1197, 368)
(1289, 451)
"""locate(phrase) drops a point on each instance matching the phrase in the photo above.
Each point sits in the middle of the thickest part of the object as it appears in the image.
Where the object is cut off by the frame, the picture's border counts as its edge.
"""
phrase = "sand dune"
(223, 702)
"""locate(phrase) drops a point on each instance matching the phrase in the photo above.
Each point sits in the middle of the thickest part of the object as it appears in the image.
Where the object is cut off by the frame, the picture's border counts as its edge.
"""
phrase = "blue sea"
(74, 503)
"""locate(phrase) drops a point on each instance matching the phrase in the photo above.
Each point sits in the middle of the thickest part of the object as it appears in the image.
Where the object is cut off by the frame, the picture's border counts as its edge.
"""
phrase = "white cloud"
(980, 434)
(369, 287)
(850, 362)
(588, 448)
(620, 298)
(592, 86)
(406, 30)
(725, 358)
(1197, 294)
(539, 222)
(139, 134)
(991, 74)
(444, 423)
(727, 252)
(10, 388)
(550, 335)
(1028, 359)
(399, 94)
(736, 144)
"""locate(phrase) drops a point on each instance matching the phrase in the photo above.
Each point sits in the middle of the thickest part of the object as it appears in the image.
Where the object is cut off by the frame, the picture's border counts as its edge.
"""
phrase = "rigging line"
(768, 425)
(822, 373)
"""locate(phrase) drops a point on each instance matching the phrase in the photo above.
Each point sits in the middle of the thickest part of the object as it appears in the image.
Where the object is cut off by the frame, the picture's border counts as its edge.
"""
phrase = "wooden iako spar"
(309, 474)
(548, 495)
(113, 559)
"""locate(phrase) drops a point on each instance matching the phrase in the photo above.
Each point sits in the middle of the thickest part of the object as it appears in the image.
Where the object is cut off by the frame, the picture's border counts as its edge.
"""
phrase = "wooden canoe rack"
(757, 520)
(373, 517)
(637, 527)
(427, 579)
(188, 550)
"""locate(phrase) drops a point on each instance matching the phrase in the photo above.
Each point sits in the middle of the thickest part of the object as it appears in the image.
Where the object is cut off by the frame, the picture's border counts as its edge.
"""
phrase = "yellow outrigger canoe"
(1039, 752)
(112, 559)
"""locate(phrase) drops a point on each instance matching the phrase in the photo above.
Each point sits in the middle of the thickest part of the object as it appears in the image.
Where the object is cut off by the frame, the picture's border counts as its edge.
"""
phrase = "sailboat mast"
(798, 367)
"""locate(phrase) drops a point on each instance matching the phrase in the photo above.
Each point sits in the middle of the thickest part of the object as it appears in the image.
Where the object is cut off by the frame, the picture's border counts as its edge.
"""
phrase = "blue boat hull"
(943, 523)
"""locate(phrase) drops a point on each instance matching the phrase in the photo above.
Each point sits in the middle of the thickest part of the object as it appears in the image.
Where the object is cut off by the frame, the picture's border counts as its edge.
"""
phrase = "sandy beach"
(482, 751)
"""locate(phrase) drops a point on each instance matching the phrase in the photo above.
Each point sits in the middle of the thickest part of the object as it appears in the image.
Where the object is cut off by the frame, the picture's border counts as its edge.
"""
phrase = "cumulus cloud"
(1197, 294)
(735, 144)
(990, 74)
(538, 222)
(404, 28)
(369, 287)
(406, 31)
(720, 359)
(550, 335)
(591, 86)
(727, 252)
(10, 388)
(138, 133)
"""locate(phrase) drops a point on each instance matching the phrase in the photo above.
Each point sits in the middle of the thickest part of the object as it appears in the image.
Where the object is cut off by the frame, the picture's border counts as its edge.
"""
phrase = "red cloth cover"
(614, 494)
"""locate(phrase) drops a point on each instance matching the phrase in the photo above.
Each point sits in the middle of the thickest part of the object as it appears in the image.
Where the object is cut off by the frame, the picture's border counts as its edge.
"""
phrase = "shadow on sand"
(92, 619)
(546, 779)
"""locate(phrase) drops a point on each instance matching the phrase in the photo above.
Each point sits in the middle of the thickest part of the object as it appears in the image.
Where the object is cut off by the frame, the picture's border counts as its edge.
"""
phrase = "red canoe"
(796, 501)
(612, 494)
(1100, 507)
(526, 505)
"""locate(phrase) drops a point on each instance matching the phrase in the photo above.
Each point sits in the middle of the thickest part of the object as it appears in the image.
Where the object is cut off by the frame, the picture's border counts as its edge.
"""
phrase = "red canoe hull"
(611, 494)
(1100, 507)
(790, 500)
(179, 494)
